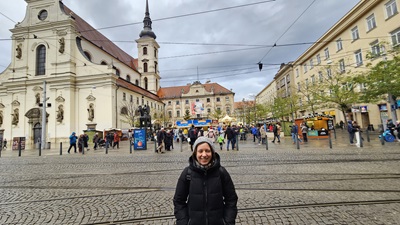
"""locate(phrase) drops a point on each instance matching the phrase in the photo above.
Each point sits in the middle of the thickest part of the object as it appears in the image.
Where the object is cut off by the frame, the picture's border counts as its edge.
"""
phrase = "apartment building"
(372, 26)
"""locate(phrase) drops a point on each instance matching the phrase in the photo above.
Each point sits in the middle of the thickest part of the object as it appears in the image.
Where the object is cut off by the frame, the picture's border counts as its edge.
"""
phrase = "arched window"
(145, 83)
(145, 51)
(117, 72)
(137, 82)
(144, 67)
(124, 111)
(41, 60)
(88, 56)
(128, 78)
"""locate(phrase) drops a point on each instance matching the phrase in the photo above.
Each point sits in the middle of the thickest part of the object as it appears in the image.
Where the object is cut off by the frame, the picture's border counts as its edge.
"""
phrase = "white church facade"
(84, 79)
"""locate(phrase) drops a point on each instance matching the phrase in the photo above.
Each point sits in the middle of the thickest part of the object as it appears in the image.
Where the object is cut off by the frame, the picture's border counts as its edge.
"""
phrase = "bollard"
(237, 142)
(361, 139)
(180, 142)
(266, 142)
(19, 149)
(1, 148)
(107, 147)
(368, 139)
(40, 148)
(130, 146)
(60, 148)
(83, 148)
(330, 139)
(297, 142)
(382, 138)
(334, 133)
(155, 147)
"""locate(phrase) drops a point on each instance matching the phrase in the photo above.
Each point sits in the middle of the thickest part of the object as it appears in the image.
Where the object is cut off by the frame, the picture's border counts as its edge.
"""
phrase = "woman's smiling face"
(203, 154)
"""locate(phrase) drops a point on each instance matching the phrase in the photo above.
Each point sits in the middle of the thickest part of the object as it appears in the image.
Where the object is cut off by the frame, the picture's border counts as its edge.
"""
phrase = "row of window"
(138, 101)
(390, 9)
(178, 112)
(198, 100)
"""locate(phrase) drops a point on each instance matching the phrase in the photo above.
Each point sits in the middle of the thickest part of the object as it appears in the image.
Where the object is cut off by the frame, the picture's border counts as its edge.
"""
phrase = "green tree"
(337, 90)
(129, 113)
(381, 79)
(217, 114)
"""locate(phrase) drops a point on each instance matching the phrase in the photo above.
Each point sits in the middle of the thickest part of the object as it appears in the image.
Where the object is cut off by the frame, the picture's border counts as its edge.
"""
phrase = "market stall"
(318, 125)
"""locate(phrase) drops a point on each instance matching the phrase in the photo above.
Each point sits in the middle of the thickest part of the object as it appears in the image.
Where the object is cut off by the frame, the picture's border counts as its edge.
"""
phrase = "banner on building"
(197, 108)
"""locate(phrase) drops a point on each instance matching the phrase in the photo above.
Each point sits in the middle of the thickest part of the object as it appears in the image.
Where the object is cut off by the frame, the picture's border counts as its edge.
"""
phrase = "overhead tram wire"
(260, 62)
(8, 18)
(184, 15)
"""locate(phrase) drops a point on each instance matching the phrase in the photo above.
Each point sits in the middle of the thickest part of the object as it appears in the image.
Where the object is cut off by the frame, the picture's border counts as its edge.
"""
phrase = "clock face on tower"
(42, 15)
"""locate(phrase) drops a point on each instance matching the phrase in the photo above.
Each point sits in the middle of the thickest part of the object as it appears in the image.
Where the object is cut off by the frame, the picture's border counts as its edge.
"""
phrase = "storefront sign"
(140, 141)
(364, 108)
(312, 133)
(382, 107)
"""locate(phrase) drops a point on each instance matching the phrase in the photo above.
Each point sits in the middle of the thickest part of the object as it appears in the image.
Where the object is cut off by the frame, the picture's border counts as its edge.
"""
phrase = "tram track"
(255, 209)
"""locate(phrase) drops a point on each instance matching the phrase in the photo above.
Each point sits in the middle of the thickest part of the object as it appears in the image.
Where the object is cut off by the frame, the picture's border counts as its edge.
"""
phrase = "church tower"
(148, 55)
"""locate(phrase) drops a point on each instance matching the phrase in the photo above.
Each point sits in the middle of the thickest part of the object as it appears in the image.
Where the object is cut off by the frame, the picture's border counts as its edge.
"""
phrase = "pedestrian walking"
(295, 132)
(229, 135)
(263, 134)
(221, 141)
(304, 130)
(160, 140)
(277, 132)
(96, 141)
(351, 131)
(72, 142)
(116, 140)
(192, 136)
(205, 193)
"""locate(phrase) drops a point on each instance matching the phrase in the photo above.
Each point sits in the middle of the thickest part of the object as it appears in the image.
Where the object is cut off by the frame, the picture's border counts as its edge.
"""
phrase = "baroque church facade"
(84, 79)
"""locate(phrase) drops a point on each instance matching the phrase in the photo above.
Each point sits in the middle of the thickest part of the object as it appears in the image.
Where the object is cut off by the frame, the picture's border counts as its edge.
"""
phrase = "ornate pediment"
(60, 99)
(37, 89)
(15, 103)
(90, 98)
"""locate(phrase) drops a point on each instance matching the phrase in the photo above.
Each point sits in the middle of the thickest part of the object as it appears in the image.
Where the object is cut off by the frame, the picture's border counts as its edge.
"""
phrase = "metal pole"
(368, 139)
(40, 147)
(334, 133)
(60, 148)
(43, 141)
(83, 148)
(130, 146)
(180, 142)
(237, 142)
(266, 142)
(361, 140)
(330, 139)
(382, 137)
(297, 141)
(19, 148)
(107, 143)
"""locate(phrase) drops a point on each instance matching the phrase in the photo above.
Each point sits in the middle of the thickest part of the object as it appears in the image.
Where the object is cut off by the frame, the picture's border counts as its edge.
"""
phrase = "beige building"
(201, 100)
(59, 59)
(372, 26)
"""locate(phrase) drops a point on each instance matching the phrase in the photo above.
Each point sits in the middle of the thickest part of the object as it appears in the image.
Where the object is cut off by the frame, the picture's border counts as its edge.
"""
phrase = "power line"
(287, 30)
(183, 15)
(8, 18)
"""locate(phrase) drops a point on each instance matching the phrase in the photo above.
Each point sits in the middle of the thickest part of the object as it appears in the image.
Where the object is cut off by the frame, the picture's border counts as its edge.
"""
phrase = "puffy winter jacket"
(205, 197)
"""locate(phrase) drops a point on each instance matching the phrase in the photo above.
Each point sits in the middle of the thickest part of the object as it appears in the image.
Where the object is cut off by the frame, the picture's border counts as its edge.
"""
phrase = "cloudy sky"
(221, 41)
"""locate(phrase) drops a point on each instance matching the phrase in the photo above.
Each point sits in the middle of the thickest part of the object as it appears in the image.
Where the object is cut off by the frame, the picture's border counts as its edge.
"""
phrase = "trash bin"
(48, 145)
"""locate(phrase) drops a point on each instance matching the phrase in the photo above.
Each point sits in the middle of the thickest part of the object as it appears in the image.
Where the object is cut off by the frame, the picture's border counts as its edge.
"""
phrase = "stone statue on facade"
(60, 113)
(19, 51)
(15, 115)
(90, 113)
(61, 41)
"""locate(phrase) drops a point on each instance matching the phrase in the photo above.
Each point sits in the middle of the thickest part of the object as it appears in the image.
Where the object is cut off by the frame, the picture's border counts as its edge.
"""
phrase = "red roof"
(174, 92)
(95, 37)
(125, 84)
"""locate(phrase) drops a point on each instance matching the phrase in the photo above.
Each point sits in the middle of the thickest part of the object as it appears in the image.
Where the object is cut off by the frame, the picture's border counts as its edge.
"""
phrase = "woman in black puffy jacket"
(205, 193)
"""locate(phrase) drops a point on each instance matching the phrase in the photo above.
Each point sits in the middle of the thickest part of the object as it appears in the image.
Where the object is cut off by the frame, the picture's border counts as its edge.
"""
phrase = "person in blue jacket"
(72, 142)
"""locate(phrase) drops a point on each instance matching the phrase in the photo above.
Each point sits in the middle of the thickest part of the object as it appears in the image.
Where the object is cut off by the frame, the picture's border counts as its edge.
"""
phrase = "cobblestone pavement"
(282, 185)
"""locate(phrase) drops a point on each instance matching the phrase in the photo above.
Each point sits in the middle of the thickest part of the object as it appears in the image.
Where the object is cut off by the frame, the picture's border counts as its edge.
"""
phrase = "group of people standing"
(111, 139)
